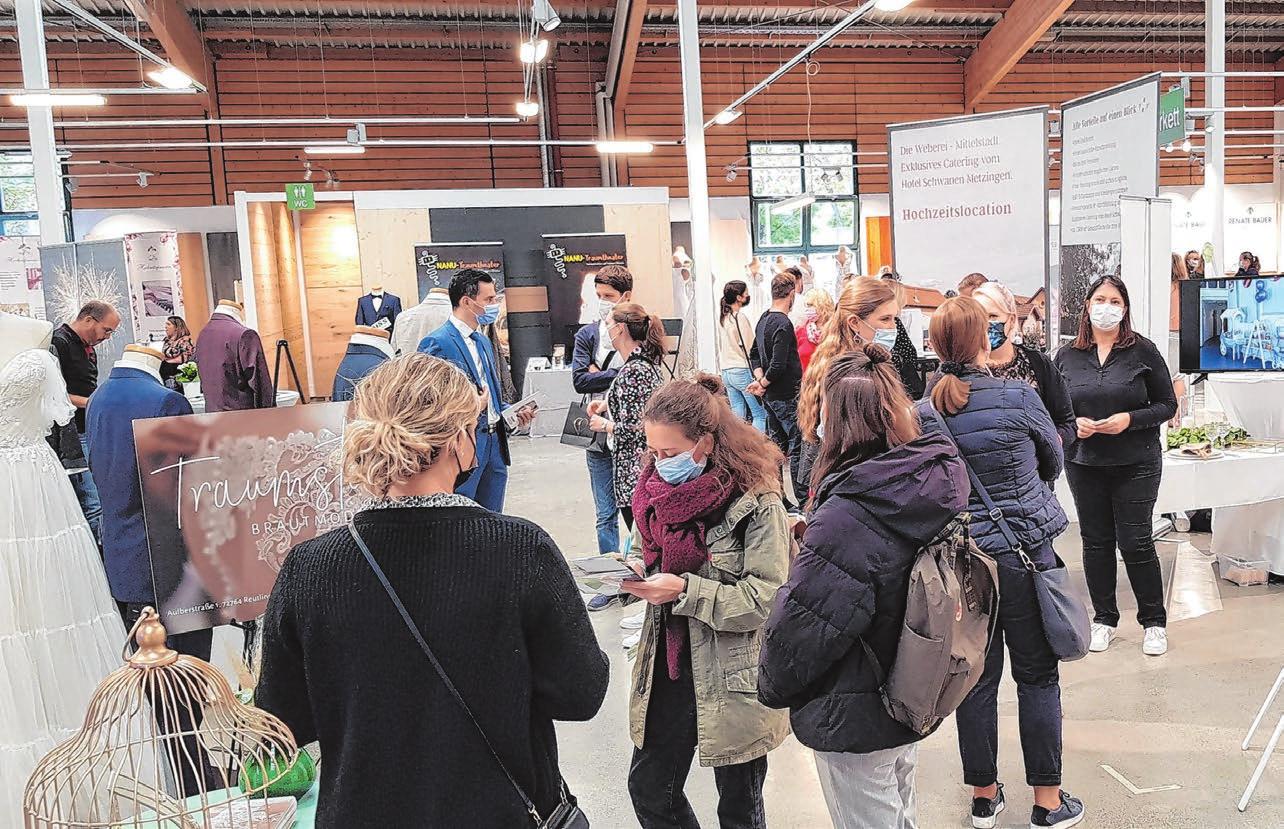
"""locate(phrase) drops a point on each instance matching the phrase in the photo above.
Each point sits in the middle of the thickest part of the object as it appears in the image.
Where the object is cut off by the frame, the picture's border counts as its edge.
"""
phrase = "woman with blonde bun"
(490, 594)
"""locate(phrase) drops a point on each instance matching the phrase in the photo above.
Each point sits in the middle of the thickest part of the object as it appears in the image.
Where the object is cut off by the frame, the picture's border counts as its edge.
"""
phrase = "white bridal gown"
(60, 633)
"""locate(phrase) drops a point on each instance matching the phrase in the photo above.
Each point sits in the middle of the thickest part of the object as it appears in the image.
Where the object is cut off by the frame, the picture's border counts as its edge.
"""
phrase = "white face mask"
(1106, 317)
(604, 309)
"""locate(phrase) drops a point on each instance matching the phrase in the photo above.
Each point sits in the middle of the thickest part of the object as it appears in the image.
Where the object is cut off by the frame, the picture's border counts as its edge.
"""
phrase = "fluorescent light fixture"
(53, 99)
(533, 51)
(624, 147)
(527, 109)
(891, 5)
(171, 78)
(334, 149)
(727, 116)
(793, 203)
(544, 15)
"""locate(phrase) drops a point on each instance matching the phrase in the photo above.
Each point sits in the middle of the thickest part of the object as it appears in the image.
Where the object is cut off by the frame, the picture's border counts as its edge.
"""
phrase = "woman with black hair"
(1121, 391)
(1249, 265)
(735, 341)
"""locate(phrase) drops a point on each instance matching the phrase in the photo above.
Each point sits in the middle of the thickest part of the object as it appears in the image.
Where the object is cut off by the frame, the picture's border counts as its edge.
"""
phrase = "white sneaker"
(1156, 642)
(631, 641)
(1101, 636)
(634, 622)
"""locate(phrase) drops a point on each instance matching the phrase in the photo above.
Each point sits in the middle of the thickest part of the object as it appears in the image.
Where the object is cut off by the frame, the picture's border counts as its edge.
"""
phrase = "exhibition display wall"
(311, 266)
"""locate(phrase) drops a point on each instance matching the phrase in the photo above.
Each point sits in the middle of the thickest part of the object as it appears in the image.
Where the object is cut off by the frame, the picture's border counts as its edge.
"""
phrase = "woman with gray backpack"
(884, 493)
(1010, 446)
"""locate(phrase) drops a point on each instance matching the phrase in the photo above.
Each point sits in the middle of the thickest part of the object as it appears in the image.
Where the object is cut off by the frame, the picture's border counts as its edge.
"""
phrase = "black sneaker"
(600, 602)
(1069, 813)
(985, 811)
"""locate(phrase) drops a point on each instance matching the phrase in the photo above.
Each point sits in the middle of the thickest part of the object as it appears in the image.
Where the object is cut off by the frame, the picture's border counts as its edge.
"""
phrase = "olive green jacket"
(726, 604)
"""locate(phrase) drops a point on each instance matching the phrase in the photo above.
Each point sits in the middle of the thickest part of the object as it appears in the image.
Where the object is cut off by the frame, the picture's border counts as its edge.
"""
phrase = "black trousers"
(1116, 506)
(782, 426)
(658, 773)
(1035, 669)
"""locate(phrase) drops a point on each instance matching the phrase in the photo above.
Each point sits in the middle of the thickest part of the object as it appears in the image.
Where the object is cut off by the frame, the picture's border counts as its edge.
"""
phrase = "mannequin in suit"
(230, 359)
(368, 348)
(377, 306)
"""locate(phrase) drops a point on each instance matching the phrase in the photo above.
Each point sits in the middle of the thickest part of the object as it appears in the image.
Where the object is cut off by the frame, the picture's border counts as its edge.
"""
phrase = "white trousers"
(870, 791)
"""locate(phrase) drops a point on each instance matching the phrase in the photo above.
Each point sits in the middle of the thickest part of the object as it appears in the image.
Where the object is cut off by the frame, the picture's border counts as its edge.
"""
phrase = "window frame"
(806, 246)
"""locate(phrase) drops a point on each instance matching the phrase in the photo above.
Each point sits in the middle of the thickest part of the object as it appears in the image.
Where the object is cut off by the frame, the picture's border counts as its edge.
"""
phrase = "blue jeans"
(745, 405)
(87, 495)
(608, 521)
(489, 480)
(782, 426)
(1035, 669)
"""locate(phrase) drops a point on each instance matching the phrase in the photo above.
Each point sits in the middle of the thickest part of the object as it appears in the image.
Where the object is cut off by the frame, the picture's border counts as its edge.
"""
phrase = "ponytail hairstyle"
(867, 411)
(731, 293)
(644, 329)
(958, 333)
(403, 416)
(1253, 262)
(859, 299)
(741, 454)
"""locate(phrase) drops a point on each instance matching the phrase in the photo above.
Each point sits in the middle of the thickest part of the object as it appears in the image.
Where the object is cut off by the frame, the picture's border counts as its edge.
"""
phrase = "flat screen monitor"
(1232, 324)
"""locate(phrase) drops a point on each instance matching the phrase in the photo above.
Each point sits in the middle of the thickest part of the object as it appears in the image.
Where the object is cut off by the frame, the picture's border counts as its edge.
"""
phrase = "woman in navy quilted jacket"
(1005, 434)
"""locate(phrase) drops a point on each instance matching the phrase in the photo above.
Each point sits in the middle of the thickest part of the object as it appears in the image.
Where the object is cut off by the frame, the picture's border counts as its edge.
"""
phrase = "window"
(825, 170)
(17, 198)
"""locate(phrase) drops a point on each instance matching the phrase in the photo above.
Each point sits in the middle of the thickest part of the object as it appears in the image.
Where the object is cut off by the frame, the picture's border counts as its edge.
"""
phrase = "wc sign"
(1172, 116)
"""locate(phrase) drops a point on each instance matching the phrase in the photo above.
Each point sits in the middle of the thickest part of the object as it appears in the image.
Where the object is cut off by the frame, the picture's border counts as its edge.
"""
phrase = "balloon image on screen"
(1232, 324)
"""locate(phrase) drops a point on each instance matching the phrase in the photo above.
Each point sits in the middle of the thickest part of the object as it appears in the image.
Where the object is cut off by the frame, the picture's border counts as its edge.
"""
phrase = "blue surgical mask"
(998, 332)
(490, 315)
(680, 468)
(886, 337)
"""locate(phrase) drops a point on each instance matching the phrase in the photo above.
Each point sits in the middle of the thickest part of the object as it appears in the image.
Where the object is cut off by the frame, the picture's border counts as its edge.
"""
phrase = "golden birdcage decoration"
(165, 745)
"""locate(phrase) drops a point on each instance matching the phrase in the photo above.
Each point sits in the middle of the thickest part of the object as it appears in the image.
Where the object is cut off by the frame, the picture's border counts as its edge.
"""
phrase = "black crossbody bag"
(567, 815)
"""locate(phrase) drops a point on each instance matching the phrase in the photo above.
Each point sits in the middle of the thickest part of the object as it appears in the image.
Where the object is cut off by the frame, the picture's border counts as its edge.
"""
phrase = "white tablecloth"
(1245, 489)
(284, 397)
(1253, 401)
(555, 391)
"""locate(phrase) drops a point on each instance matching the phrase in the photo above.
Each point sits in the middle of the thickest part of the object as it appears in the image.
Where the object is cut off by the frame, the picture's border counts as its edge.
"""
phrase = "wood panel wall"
(332, 274)
(196, 286)
(853, 94)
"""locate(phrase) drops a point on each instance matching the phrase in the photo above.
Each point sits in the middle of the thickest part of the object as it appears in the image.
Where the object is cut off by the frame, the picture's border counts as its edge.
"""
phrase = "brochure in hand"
(602, 574)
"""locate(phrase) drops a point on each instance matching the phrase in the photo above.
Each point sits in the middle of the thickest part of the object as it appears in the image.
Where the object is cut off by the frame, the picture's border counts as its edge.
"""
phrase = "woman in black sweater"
(1121, 391)
(1019, 362)
(491, 595)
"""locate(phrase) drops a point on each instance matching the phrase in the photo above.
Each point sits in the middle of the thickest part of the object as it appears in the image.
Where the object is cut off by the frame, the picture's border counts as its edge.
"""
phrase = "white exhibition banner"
(20, 287)
(1109, 148)
(155, 281)
(970, 194)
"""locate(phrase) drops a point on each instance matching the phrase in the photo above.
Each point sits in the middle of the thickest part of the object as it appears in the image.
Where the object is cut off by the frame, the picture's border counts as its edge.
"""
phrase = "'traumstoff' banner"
(570, 263)
(1109, 148)
(436, 263)
(225, 497)
(970, 194)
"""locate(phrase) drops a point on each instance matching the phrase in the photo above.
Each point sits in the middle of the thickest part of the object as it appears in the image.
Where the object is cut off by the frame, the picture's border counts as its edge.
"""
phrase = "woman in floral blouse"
(638, 338)
(177, 348)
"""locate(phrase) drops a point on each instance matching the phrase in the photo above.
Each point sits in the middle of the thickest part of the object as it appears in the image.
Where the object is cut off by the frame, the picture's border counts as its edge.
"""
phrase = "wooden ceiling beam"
(1021, 27)
(183, 44)
(629, 56)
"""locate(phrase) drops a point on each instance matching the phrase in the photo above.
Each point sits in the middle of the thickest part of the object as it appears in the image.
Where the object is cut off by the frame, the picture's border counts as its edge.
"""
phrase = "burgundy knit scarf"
(672, 521)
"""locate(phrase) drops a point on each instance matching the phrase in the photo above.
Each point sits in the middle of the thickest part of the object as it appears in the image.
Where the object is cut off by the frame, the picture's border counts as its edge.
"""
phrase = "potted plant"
(190, 378)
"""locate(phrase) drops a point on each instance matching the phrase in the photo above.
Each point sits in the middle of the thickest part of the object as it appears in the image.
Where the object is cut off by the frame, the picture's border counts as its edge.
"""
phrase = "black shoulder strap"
(441, 672)
(995, 513)
(735, 321)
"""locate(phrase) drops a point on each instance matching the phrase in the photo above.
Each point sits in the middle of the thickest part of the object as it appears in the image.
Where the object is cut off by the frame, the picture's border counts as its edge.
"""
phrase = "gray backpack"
(950, 614)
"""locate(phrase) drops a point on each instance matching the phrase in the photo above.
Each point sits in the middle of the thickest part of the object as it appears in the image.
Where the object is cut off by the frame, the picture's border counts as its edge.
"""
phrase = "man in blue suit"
(474, 302)
(377, 306)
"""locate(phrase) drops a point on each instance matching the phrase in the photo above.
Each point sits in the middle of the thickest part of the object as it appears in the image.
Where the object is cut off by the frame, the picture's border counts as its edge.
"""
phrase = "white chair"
(1270, 744)
(1261, 344)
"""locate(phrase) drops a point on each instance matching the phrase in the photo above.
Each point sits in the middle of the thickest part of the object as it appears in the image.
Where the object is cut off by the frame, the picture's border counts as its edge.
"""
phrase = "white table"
(555, 391)
(284, 397)
(1244, 489)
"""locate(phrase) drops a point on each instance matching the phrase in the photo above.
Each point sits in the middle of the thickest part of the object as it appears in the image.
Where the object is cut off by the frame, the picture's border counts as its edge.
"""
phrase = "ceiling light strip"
(635, 146)
(462, 120)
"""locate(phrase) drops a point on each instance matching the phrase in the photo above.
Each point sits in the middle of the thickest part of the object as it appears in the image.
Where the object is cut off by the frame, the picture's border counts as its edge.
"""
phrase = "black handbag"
(1065, 619)
(566, 815)
(576, 431)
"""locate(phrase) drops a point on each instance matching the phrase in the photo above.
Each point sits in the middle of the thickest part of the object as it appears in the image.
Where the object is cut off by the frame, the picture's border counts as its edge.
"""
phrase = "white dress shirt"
(492, 416)
(377, 301)
(603, 347)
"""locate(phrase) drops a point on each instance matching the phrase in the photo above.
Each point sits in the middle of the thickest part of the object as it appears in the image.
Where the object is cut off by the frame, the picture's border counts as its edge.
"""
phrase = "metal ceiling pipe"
(463, 120)
(301, 143)
(819, 42)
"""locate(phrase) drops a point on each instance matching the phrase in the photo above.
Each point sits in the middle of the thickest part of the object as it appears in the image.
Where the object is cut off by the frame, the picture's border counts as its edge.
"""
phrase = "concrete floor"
(1177, 719)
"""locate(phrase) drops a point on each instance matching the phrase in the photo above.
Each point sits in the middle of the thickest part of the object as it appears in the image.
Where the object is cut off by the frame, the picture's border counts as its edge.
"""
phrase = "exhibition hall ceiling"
(1087, 26)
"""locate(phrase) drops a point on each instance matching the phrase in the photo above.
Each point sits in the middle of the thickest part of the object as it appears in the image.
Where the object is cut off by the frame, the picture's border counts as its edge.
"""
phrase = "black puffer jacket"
(849, 583)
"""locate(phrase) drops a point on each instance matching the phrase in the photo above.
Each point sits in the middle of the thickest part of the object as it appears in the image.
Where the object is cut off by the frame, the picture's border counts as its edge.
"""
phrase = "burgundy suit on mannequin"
(233, 369)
